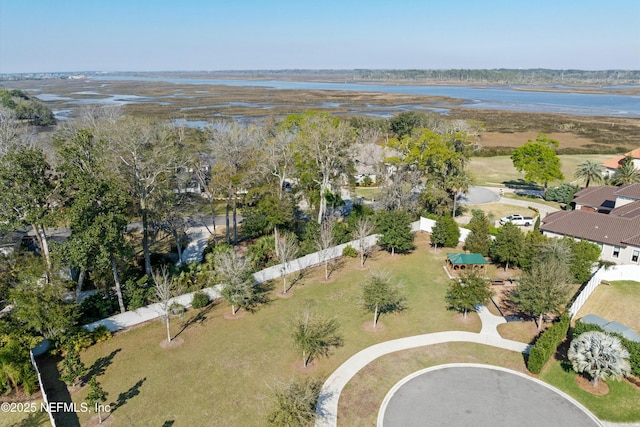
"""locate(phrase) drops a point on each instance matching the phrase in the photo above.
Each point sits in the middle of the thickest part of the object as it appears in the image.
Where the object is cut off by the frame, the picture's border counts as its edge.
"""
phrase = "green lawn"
(31, 418)
(619, 301)
(223, 371)
(367, 193)
(493, 171)
(621, 404)
(362, 396)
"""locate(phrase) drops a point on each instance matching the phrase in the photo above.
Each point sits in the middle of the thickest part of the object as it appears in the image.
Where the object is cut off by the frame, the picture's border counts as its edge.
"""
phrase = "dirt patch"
(368, 326)
(176, 342)
(239, 314)
(281, 294)
(107, 420)
(502, 301)
(601, 389)
(460, 319)
(311, 367)
(517, 139)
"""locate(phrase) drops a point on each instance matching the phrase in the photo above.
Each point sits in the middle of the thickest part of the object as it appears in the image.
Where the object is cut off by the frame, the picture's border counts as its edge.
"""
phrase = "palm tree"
(590, 171)
(600, 355)
(315, 336)
(626, 173)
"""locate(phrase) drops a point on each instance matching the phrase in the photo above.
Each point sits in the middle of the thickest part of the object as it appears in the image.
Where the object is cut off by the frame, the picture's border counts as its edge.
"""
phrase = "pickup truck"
(516, 219)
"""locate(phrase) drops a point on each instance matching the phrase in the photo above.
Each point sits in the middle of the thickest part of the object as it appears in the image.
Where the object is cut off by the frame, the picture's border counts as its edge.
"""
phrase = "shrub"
(77, 340)
(445, 232)
(176, 309)
(200, 299)
(138, 293)
(547, 343)
(632, 346)
(349, 251)
(97, 306)
(563, 194)
(100, 333)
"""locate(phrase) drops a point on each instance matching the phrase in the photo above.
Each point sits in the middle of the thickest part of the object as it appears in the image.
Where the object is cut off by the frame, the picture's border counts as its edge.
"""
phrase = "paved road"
(479, 395)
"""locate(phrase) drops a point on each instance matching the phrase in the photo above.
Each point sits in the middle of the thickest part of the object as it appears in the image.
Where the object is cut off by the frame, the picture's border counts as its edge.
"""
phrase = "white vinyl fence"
(617, 272)
(42, 388)
(150, 312)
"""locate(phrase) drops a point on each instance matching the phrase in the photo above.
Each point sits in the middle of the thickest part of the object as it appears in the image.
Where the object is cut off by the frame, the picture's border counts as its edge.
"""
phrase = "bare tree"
(364, 228)
(238, 284)
(324, 241)
(279, 157)
(147, 157)
(13, 135)
(235, 148)
(164, 287)
(200, 164)
(287, 250)
(400, 190)
(324, 146)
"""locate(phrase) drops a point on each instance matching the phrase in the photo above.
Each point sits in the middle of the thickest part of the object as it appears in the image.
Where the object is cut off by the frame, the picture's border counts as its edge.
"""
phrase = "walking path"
(327, 408)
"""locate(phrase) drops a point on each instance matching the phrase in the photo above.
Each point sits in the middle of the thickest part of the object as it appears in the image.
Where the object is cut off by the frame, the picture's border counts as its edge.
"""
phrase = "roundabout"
(470, 394)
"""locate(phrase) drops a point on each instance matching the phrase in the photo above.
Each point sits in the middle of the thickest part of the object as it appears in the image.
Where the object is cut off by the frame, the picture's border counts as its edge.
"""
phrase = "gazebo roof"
(466, 259)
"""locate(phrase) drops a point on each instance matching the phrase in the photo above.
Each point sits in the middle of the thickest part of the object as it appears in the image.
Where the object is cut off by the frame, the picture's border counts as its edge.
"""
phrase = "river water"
(498, 98)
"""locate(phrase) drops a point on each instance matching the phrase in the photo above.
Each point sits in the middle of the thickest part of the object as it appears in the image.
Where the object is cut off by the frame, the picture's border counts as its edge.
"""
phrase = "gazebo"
(460, 262)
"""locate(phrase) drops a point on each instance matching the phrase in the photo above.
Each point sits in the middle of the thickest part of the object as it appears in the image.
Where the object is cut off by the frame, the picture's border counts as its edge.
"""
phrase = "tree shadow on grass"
(336, 265)
(521, 184)
(199, 318)
(34, 419)
(56, 390)
(261, 296)
(302, 274)
(124, 397)
(100, 365)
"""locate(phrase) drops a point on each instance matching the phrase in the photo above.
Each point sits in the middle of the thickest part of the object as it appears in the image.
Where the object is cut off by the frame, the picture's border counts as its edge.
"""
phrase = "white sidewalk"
(327, 409)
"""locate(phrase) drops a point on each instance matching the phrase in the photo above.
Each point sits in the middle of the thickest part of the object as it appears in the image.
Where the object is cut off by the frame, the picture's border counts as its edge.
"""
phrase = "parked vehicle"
(517, 219)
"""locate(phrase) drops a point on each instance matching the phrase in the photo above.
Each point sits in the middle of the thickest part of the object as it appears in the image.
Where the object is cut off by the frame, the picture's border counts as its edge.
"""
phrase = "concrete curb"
(408, 378)
(327, 408)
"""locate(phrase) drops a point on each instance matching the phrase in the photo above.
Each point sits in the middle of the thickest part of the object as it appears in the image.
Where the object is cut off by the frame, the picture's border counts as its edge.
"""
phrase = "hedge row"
(547, 343)
(632, 346)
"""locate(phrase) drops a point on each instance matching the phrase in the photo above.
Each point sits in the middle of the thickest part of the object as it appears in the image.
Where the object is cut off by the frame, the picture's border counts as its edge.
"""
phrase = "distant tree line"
(26, 108)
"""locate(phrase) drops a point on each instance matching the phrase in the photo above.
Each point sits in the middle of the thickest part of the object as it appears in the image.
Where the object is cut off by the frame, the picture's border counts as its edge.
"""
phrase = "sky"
(199, 35)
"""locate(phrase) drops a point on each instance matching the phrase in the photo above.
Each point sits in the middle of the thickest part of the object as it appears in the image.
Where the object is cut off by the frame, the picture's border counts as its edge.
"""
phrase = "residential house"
(612, 165)
(607, 216)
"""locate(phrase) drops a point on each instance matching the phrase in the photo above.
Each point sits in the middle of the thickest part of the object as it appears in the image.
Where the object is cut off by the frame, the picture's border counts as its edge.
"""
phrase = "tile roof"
(594, 226)
(596, 197)
(619, 227)
(614, 163)
(630, 210)
(631, 191)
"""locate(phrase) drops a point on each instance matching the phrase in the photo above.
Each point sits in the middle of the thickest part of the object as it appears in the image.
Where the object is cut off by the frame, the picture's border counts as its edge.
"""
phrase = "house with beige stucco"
(613, 164)
(608, 216)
